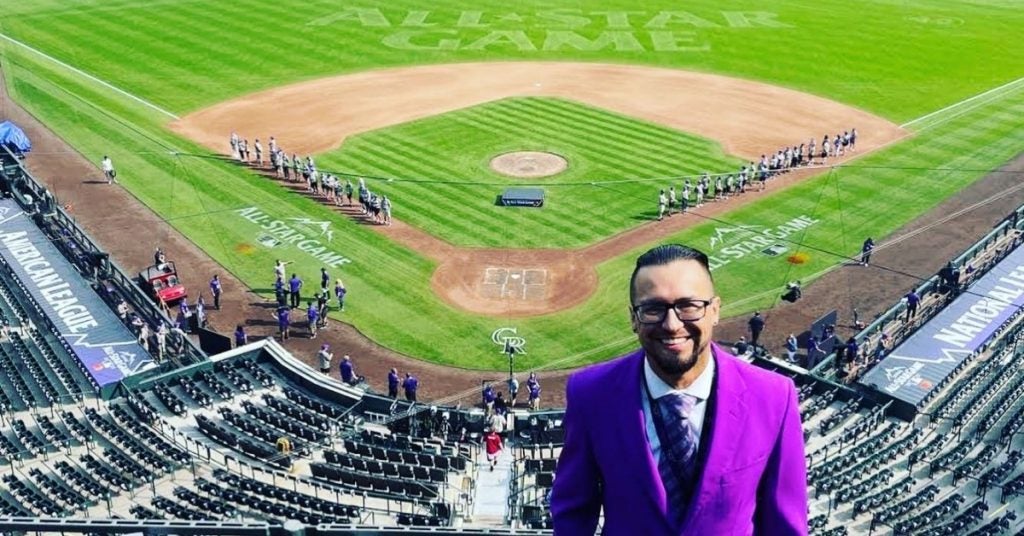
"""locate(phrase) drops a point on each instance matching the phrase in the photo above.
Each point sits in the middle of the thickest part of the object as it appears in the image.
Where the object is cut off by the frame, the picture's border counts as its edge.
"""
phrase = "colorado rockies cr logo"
(507, 339)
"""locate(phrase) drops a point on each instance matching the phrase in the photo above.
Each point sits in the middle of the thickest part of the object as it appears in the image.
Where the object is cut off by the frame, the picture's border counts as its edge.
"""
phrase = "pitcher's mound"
(529, 164)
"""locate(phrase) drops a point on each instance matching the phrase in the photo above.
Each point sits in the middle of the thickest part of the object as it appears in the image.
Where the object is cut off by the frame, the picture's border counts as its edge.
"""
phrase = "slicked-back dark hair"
(665, 254)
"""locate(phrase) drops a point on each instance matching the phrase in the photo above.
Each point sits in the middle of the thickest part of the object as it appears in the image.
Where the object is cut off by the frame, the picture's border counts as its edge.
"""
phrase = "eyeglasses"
(686, 311)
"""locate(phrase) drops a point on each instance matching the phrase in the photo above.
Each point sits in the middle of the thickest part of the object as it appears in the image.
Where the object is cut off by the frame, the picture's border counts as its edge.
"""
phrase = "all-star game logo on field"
(737, 241)
(300, 233)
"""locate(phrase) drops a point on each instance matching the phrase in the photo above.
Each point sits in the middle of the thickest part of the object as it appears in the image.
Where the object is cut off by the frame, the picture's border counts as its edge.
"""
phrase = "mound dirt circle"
(529, 164)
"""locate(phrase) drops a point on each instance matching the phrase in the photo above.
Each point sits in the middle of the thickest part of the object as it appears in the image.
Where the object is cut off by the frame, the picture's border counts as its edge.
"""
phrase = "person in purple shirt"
(393, 382)
(488, 396)
(283, 322)
(240, 337)
(679, 437)
(913, 300)
(411, 384)
(533, 385)
(216, 289)
(348, 372)
(183, 306)
(294, 289)
(311, 316)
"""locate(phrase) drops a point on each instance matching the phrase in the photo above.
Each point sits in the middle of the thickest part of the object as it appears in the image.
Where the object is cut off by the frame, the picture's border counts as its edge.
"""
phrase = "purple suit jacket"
(751, 468)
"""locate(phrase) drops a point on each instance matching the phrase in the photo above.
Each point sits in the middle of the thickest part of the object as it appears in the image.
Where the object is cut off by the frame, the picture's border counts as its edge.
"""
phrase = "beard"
(674, 364)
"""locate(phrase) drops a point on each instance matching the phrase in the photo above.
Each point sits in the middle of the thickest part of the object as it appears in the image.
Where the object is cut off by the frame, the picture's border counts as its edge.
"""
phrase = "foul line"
(89, 76)
(963, 102)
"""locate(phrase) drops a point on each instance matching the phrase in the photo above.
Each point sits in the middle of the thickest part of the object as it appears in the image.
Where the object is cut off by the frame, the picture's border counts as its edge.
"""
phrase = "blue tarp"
(14, 136)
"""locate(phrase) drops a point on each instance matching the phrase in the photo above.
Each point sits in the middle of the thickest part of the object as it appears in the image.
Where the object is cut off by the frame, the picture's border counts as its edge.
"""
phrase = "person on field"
(107, 165)
(324, 359)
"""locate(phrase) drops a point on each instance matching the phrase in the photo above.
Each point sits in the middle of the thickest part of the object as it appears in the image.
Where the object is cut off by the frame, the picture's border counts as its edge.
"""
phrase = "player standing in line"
(662, 202)
(671, 199)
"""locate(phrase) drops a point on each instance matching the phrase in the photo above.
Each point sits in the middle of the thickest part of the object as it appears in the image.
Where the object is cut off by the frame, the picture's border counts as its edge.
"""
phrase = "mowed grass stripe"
(159, 57)
(437, 201)
(658, 136)
(480, 197)
(621, 137)
(607, 157)
(623, 140)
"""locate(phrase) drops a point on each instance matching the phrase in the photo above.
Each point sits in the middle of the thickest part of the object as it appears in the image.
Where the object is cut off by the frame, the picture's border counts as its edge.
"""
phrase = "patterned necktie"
(678, 450)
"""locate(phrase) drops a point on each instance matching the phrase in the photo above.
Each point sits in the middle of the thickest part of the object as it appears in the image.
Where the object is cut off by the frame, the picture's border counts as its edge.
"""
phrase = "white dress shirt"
(699, 389)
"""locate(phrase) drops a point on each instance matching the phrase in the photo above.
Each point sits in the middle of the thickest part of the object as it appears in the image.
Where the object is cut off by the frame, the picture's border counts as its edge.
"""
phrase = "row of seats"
(380, 485)
(80, 431)
(229, 439)
(330, 411)
(416, 444)
(192, 390)
(288, 424)
(396, 455)
(81, 481)
(125, 441)
(259, 430)
(295, 411)
(69, 498)
(68, 378)
(240, 382)
(930, 516)
(21, 354)
(980, 379)
(126, 465)
(24, 398)
(207, 505)
(177, 511)
(261, 376)
(849, 408)
(215, 383)
(31, 497)
(170, 400)
(385, 468)
(149, 437)
(912, 503)
(27, 438)
(113, 478)
(53, 434)
(340, 513)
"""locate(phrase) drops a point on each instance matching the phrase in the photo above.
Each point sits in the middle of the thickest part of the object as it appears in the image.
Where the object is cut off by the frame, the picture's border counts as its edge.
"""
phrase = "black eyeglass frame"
(673, 306)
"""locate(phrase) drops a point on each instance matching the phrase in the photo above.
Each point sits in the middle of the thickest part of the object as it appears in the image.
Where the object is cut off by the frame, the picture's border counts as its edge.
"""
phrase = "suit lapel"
(636, 447)
(721, 438)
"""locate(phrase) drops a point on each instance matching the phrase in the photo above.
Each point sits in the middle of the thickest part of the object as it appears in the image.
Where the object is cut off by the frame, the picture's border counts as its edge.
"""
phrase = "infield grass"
(439, 167)
(182, 55)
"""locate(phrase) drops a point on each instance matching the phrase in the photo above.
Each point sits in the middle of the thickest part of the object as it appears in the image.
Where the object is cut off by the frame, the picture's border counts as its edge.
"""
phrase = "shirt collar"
(700, 388)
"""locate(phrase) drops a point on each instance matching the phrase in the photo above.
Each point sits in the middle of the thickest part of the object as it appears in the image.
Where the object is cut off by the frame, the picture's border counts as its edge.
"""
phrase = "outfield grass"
(441, 173)
(202, 52)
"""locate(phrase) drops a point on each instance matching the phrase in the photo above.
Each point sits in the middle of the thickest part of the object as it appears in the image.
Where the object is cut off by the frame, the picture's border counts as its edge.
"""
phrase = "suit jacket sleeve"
(782, 494)
(576, 498)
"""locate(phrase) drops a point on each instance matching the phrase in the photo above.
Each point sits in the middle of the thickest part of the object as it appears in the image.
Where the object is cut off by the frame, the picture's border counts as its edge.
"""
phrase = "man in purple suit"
(680, 437)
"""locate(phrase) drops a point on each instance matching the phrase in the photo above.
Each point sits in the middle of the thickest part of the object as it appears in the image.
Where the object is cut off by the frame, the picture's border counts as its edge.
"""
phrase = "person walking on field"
(108, 169)
(493, 445)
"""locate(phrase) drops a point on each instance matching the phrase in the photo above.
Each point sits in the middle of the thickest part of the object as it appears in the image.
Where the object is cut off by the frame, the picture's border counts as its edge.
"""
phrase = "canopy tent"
(14, 137)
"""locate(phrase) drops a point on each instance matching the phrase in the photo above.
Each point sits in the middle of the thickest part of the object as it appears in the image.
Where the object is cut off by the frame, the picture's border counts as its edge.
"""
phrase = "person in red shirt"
(492, 442)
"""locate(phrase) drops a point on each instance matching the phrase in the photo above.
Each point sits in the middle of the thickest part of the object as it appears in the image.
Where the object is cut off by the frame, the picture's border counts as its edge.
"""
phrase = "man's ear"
(632, 320)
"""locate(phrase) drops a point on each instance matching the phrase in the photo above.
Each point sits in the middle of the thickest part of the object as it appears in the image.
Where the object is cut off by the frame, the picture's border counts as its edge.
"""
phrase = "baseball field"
(418, 98)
